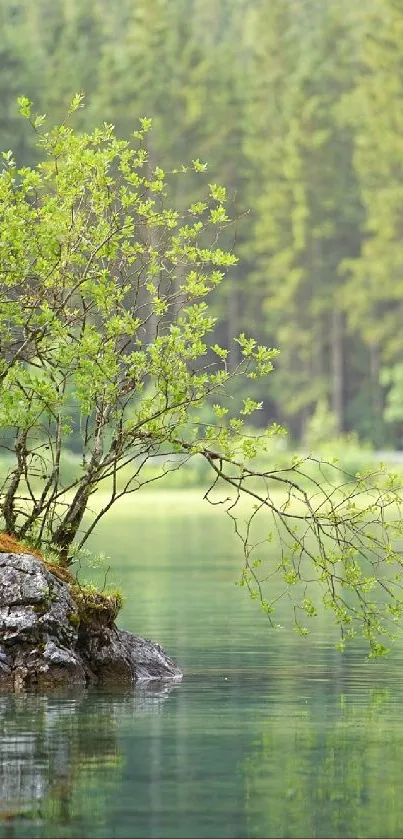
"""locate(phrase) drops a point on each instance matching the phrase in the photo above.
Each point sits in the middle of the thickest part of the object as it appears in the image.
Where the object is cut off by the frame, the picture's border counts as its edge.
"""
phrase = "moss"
(40, 608)
(62, 574)
(74, 619)
(10, 544)
(94, 608)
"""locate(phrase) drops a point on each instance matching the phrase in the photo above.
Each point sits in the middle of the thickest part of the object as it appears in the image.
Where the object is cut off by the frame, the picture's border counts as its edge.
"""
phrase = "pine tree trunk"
(337, 362)
(376, 392)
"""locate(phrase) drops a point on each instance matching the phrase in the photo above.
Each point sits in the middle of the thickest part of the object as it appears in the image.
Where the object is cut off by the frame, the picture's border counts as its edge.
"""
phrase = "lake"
(268, 735)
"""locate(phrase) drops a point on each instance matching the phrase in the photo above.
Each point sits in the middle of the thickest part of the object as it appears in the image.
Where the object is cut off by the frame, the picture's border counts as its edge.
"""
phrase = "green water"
(268, 735)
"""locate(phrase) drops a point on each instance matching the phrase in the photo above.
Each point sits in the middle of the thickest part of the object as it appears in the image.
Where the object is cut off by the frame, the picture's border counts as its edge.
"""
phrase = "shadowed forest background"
(297, 108)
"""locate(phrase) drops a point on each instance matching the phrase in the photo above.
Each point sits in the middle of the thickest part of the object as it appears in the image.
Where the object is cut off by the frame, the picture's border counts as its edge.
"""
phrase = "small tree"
(105, 336)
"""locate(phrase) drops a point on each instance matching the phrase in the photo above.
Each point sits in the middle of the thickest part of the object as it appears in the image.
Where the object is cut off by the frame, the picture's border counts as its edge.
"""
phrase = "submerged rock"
(51, 636)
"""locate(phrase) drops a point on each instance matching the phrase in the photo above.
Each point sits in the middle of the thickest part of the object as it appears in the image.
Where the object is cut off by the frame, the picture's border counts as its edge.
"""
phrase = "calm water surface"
(268, 735)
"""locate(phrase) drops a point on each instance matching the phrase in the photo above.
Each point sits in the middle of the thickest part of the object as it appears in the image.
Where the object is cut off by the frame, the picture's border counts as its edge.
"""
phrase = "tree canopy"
(107, 332)
(296, 108)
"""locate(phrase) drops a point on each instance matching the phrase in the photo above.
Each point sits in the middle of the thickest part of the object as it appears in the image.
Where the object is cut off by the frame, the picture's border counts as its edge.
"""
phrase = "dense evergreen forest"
(297, 108)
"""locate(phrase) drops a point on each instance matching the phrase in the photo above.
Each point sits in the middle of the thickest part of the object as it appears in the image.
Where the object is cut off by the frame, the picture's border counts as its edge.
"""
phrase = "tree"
(90, 254)
(180, 63)
(374, 288)
(255, 88)
(306, 205)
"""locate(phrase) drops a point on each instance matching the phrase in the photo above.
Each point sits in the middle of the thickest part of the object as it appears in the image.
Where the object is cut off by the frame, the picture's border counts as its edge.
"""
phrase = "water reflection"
(330, 770)
(55, 752)
(225, 757)
(268, 734)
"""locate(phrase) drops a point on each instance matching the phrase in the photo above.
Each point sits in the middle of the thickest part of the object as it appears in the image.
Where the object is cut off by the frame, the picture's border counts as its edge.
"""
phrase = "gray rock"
(151, 661)
(43, 645)
(114, 654)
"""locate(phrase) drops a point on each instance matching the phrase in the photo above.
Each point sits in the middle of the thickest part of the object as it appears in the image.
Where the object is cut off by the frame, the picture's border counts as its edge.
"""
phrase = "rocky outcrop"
(50, 638)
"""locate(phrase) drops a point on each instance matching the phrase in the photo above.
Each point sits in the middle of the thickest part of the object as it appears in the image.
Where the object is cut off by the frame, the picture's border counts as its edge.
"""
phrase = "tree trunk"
(376, 392)
(337, 362)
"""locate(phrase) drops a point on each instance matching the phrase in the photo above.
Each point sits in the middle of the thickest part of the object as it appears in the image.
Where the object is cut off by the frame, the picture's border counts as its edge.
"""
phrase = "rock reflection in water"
(53, 750)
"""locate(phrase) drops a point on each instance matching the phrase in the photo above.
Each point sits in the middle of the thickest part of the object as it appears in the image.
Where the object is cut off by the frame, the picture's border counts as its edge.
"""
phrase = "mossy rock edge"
(57, 633)
(94, 608)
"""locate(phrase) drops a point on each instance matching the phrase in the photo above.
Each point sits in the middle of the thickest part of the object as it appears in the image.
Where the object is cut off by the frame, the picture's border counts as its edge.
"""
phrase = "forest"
(274, 130)
(296, 108)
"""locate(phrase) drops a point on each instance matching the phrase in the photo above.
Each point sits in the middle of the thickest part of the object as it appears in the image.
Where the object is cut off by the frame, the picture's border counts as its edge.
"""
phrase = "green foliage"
(95, 608)
(94, 262)
(392, 378)
(373, 108)
(94, 265)
(306, 212)
(321, 427)
(296, 110)
(120, 342)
